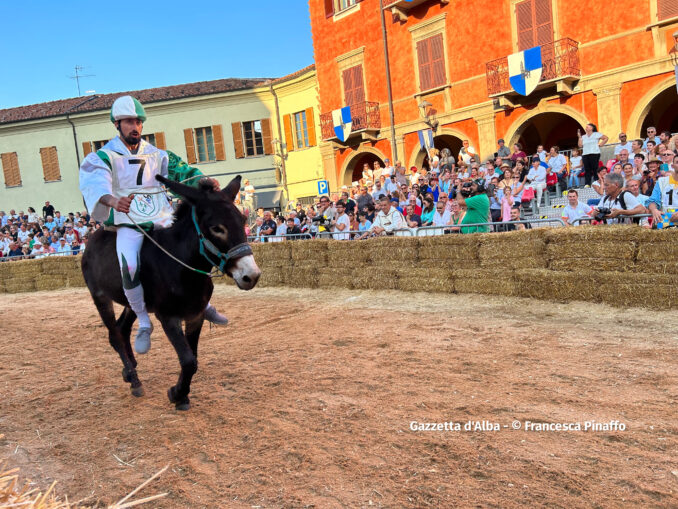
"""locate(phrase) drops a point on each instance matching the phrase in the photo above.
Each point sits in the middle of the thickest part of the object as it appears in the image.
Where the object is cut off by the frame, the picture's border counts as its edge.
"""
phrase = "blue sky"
(151, 45)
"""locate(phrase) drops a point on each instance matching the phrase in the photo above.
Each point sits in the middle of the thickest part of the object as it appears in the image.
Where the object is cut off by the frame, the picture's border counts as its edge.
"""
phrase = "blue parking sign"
(323, 187)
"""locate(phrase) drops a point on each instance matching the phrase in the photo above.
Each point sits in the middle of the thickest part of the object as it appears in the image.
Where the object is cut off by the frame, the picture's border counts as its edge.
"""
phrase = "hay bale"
(598, 250)
(309, 253)
(300, 277)
(270, 277)
(586, 264)
(274, 251)
(46, 282)
(20, 284)
(371, 278)
(593, 234)
(559, 286)
(425, 279)
(451, 250)
(484, 281)
(348, 254)
(335, 278)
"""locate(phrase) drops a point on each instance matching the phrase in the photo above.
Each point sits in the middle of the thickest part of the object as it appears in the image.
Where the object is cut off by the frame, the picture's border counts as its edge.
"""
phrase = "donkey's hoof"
(183, 406)
(138, 391)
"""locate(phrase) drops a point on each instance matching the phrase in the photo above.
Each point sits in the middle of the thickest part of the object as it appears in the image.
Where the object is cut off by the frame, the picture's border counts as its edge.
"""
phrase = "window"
(667, 9)
(431, 57)
(252, 138)
(203, 144)
(99, 144)
(10, 168)
(335, 6)
(535, 24)
(301, 129)
(345, 4)
(354, 90)
(149, 138)
(50, 164)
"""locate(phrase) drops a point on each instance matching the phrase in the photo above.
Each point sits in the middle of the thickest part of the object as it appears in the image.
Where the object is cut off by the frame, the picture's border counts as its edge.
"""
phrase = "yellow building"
(262, 129)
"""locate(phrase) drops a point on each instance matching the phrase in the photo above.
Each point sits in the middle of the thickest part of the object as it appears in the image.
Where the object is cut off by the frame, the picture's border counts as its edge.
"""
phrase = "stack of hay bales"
(441, 259)
(20, 276)
(275, 257)
(379, 263)
(658, 252)
(60, 272)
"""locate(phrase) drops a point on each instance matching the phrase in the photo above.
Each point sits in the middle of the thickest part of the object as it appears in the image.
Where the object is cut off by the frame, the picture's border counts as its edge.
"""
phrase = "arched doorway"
(547, 129)
(354, 168)
(448, 141)
(662, 113)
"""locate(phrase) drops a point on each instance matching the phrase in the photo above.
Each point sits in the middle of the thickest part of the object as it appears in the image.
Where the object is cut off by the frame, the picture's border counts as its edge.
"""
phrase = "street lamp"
(428, 115)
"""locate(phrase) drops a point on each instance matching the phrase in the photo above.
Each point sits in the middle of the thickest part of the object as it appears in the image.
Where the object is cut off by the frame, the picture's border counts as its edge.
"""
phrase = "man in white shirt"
(388, 219)
(651, 135)
(341, 223)
(378, 191)
(64, 249)
(388, 168)
(388, 182)
(23, 233)
(623, 144)
(466, 153)
(574, 209)
(536, 178)
(618, 201)
(441, 217)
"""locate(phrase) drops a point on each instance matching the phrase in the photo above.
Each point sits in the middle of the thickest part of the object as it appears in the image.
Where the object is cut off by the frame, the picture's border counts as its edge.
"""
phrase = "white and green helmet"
(127, 107)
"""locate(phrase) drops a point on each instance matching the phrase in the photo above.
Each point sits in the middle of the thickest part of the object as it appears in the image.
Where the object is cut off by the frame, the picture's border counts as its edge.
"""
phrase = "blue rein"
(206, 245)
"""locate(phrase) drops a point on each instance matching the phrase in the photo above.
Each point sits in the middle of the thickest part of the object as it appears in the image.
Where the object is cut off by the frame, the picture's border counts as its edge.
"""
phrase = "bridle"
(242, 249)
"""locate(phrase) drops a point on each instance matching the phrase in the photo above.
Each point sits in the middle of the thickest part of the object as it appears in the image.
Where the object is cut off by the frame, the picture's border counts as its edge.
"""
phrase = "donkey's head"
(222, 224)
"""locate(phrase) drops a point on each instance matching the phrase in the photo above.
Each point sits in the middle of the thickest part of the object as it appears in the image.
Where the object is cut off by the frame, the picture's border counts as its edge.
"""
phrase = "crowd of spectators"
(32, 235)
(453, 191)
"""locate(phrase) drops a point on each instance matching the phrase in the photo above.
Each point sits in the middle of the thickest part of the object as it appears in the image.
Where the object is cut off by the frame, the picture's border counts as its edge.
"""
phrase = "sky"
(137, 45)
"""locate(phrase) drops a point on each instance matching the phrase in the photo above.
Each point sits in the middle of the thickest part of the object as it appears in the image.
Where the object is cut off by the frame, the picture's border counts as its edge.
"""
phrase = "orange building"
(609, 64)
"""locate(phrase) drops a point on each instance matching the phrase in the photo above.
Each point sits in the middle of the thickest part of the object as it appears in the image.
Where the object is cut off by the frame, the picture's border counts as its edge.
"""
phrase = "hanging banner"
(425, 139)
(525, 68)
(342, 122)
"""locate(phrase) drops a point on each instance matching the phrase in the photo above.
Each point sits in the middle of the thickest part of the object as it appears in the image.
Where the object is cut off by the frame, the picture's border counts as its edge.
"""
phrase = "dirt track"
(306, 399)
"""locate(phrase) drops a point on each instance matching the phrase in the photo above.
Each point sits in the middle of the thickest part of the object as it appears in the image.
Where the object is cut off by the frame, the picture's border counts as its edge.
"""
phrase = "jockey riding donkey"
(119, 187)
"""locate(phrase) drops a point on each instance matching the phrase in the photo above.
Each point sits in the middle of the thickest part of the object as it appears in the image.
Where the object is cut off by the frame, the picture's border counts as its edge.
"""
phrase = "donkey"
(208, 231)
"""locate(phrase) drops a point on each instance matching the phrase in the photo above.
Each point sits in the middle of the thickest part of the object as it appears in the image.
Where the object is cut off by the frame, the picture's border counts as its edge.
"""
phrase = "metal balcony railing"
(365, 116)
(560, 59)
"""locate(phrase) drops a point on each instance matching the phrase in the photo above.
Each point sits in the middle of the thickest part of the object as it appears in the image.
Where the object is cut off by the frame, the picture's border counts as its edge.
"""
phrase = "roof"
(151, 95)
(295, 74)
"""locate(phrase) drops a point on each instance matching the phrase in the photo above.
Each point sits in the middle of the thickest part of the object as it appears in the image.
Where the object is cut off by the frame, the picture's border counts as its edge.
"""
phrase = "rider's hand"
(122, 204)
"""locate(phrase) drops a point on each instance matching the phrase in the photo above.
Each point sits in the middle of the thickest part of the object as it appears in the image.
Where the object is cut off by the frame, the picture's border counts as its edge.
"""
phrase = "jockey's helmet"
(127, 107)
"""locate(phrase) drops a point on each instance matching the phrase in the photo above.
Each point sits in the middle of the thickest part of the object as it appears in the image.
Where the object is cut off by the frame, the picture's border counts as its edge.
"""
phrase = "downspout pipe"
(388, 82)
(68, 119)
(281, 134)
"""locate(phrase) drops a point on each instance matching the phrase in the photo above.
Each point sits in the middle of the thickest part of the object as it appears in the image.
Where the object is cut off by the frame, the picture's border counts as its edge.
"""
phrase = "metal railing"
(560, 59)
(364, 115)
(498, 226)
(591, 218)
(38, 256)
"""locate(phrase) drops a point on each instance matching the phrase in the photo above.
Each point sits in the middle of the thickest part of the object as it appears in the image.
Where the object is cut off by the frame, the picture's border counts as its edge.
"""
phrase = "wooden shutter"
(525, 22)
(190, 146)
(10, 167)
(667, 9)
(86, 148)
(424, 58)
(50, 164)
(543, 22)
(347, 77)
(289, 138)
(160, 141)
(310, 123)
(358, 85)
(438, 78)
(329, 8)
(266, 135)
(218, 137)
(237, 140)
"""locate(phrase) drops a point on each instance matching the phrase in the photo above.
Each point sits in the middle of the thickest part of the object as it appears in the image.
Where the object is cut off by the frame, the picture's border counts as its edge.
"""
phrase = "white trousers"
(539, 190)
(128, 247)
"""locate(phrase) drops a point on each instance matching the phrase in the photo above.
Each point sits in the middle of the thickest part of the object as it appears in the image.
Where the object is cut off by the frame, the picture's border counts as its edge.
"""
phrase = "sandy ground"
(306, 400)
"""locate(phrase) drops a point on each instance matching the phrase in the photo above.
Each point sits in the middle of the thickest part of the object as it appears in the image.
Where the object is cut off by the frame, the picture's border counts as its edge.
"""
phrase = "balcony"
(399, 8)
(560, 67)
(365, 118)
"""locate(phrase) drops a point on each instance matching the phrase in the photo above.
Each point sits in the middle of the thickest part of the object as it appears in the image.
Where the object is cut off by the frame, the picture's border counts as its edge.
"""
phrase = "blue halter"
(234, 253)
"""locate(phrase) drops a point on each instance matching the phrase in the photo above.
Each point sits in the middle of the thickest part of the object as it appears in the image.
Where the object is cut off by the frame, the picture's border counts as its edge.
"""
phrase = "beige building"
(264, 130)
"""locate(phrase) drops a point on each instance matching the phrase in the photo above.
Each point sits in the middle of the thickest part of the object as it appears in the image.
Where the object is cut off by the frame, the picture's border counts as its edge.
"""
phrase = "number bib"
(136, 174)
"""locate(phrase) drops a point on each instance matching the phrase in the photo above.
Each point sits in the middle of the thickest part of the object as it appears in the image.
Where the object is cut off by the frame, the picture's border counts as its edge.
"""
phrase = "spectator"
(367, 173)
(518, 154)
(503, 151)
(38, 250)
(280, 229)
(268, 226)
(590, 142)
(574, 209)
(599, 186)
(363, 224)
(388, 170)
(341, 223)
(353, 222)
(412, 219)
(59, 220)
(63, 249)
(388, 219)
(665, 194)
(627, 172)
(378, 191)
(377, 171)
(50, 224)
(32, 215)
(70, 234)
(651, 136)
(47, 210)
(427, 212)
(536, 178)
(441, 217)
(477, 207)
(639, 164)
(651, 149)
(515, 216)
(22, 234)
(620, 202)
(666, 156)
(637, 148)
(433, 188)
(466, 153)
(623, 144)
(75, 247)
(558, 164)
(15, 250)
(293, 216)
(543, 155)
(456, 215)
(667, 140)
(292, 229)
(633, 187)
(363, 198)
(576, 168)
(301, 215)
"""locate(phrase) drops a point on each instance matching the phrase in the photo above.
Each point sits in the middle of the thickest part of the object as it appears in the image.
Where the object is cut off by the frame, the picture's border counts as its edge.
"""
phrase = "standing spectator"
(248, 201)
(388, 170)
(620, 202)
(280, 229)
(623, 144)
(477, 207)
(466, 152)
(363, 199)
(342, 223)
(377, 171)
(518, 154)
(268, 226)
(47, 210)
(496, 194)
(503, 151)
(590, 142)
(576, 167)
(651, 136)
(558, 164)
(32, 215)
(300, 212)
(368, 173)
(574, 209)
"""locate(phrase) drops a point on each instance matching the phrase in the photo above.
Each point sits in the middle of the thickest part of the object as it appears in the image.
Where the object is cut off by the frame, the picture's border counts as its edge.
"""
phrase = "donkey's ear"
(190, 194)
(233, 188)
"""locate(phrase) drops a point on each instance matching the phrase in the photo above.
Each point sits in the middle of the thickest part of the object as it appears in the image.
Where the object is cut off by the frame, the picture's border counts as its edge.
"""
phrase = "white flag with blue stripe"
(426, 139)
(342, 122)
(525, 68)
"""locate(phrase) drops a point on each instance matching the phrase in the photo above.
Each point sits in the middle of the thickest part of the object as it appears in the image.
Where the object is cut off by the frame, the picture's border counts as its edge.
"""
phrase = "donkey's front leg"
(189, 363)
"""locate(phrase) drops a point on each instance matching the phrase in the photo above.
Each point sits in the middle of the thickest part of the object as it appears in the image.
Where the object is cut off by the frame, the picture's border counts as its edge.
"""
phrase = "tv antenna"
(78, 70)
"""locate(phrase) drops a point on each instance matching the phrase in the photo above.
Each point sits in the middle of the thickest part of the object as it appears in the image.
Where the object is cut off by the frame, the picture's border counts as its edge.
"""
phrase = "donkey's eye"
(219, 231)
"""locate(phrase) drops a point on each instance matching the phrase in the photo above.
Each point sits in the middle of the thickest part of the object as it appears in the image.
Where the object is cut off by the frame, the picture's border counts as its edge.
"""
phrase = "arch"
(552, 128)
(447, 138)
(634, 126)
(355, 162)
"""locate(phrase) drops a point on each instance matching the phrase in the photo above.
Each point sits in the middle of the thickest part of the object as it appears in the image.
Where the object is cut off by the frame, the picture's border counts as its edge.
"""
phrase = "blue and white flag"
(525, 68)
(426, 139)
(341, 120)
